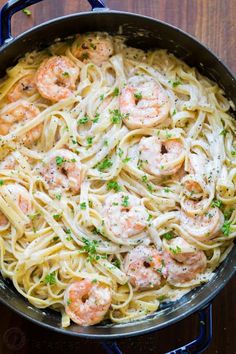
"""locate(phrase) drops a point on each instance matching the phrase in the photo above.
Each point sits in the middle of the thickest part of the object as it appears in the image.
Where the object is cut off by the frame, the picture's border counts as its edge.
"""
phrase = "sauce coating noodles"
(117, 179)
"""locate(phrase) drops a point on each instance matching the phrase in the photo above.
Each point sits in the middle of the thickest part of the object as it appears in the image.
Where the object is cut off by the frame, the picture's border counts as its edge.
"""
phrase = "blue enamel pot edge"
(154, 34)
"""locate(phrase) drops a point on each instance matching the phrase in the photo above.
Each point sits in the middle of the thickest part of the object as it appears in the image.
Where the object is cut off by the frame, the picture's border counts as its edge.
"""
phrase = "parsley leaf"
(168, 236)
(216, 203)
(83, 120)
(113, 185)
(27, 12)
(116, 116)
(90, 248)
(83, 206)
(50, 279)
(226, 228)
(103, 165)
(60, 160)
(115, 92)
(125, 201)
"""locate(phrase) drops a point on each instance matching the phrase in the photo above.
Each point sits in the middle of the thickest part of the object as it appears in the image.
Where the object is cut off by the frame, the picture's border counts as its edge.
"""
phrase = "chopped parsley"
(175, 250)
(125, 202)
(68, 231)
(116, 116)
(27, 12)
(138, 96)
(127, 159)
(117, 263)
(83, 120)
(167, 190)
(95, 120)
(174, 112)
(90, 140)
(68, 302)
(216, 203)
(57, 217)
(168, 236)
(60, 160)
(58, 196)
(90, 248)
(113, 185)
(101, 97)
(224, 132)
(103, 165)
(176, 83)
(226, 228)
(116, 92)
(144, 178)
(1, 182)
(83, 206)
(66, 74)
(50, 279)
(120, 152)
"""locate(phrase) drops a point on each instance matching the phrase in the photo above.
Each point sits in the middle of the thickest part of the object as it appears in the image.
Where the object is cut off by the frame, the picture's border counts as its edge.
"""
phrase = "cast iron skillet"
(142, 32)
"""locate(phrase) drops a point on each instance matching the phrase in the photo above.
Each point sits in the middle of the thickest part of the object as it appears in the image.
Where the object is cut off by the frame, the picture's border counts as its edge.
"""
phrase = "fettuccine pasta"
(117, 179)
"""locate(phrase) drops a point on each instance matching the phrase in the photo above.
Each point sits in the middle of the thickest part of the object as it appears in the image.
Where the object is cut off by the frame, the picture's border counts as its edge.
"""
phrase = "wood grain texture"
(213, 23)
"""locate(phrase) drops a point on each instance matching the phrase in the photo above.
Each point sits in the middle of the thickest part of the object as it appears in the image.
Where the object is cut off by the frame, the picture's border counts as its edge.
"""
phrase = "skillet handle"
(13, 6)
(197, 346)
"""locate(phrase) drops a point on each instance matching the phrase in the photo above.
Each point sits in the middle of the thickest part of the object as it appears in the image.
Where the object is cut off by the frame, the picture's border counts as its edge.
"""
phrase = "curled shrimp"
(18, 113)
(205, 226)
(97, 48)
(124, 215)
(56, 78)
(161, 157)
(23, 88)
(87, 303)
(183, 262)
(20, 197)
(143, 265)
(143, 103)
(62, 171)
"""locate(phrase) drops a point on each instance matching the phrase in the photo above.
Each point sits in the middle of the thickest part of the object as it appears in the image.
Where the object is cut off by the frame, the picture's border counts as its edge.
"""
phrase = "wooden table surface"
(213, 23)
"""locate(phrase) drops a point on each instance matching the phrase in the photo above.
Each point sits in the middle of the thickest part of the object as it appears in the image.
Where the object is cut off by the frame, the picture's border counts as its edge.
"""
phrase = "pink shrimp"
(23, 88)
(62, 171)
(56, 78)
(183, 262)
(161, 157)
(205, 226)
(87, 303)
(124, 215)
(96, 48)
(143, 103)
(143, 265)
(17, 113)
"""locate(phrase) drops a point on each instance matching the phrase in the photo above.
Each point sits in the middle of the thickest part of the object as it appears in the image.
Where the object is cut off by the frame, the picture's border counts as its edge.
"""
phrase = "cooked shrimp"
(161, 157)
(20, 197)
(23, 88)
(143, 265)
(96, 48)
(124, 215)
(193, 187)
(143, 103)
(56, 78)
(203, 227)
(18, 113)
(183, 261)
(62, 170)
(87, 303)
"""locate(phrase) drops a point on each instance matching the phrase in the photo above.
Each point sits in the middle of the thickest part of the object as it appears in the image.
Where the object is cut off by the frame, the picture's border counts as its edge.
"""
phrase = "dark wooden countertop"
(213, 23)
